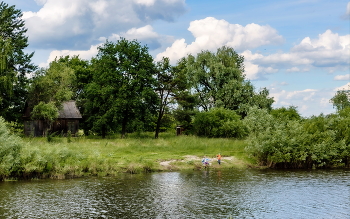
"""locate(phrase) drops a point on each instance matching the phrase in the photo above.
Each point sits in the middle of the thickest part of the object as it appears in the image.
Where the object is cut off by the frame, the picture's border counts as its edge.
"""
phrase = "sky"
(298, 49)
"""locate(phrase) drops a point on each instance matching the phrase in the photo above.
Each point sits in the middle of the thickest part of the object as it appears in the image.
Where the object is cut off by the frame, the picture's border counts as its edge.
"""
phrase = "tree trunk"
(160, 115)
(124, 122)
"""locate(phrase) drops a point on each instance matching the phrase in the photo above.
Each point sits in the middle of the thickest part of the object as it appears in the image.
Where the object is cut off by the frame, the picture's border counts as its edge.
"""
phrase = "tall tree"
(18, 64)
(121, 93)
(218, 80)
(50, 87)
(166, 85)
(341, 100)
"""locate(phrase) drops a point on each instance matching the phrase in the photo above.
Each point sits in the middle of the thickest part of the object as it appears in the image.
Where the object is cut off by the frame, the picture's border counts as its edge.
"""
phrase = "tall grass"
(83, 156)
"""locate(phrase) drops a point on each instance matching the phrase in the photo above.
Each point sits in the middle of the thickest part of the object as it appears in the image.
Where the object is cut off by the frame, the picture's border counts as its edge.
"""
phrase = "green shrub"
(219, 122)
(319, 141)
(10, 147)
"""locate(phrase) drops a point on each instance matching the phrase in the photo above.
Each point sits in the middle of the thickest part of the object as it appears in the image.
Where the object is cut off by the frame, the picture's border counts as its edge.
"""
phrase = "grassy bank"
(83, 156)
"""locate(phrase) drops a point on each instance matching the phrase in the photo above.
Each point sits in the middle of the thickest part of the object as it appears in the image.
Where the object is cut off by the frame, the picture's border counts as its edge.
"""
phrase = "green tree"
(16, 64)
(53, 84)
(82, 72)
(219, 122)
(165, 88)
(290, 113)
(121, 94)
(218, 80)
(341, 100)
(49, 88)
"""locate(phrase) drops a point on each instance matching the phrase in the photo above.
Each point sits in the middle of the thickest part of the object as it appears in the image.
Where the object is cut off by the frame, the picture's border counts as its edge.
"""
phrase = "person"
(205, 161)
(219, 158)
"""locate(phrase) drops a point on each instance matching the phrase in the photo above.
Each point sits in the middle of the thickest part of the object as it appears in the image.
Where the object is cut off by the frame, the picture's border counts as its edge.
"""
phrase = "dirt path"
(196, 159)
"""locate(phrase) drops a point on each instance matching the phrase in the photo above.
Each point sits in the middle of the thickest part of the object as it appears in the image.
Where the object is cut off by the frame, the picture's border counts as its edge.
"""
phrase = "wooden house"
(68, 120)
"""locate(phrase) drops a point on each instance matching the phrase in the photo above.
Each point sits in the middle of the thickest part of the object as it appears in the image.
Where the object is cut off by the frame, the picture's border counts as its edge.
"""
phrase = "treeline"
(123, 90)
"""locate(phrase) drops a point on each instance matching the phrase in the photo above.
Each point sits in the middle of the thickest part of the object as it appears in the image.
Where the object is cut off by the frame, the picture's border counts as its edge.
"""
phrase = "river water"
(194, 194)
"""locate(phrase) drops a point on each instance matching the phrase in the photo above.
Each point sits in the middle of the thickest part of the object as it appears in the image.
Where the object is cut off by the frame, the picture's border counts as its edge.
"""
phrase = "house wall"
(36, 128)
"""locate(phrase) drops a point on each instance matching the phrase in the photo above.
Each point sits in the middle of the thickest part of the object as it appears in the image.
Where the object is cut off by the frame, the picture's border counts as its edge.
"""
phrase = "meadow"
(63, 157)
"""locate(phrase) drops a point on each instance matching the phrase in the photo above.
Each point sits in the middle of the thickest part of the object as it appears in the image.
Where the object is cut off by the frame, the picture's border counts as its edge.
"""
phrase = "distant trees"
(15, 64)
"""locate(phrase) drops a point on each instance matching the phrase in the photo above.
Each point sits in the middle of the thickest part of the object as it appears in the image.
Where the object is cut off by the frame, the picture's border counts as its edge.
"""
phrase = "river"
(193, 194)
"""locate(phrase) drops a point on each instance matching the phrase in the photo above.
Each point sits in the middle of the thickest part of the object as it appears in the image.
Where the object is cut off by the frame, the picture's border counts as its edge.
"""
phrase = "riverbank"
(81, 156)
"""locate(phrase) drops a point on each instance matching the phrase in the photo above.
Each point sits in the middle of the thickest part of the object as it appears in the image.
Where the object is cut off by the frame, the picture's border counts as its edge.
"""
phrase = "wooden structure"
(68, 120)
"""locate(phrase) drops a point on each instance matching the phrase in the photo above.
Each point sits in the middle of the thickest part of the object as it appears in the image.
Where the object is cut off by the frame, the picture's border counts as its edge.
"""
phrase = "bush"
(310, 143)
(219, 122)
(10, 147)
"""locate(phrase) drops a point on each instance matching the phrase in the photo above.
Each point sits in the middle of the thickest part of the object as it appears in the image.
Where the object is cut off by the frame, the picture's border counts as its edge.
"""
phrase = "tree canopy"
(218, 80)
(121, 93)
(15, 64)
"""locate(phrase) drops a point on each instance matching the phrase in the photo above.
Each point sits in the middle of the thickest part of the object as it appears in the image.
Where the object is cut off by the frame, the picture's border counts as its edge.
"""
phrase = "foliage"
(310, 143)
(219, 122)
(121, 94)
(15, 63)
(341, 100)
(10, 146)
(218, 80)
(45, 111)
(284, 113)
(52, 85)
(165, 88)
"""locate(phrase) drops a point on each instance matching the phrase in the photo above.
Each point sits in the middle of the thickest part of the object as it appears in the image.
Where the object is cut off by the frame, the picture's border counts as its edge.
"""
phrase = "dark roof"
(69, 111)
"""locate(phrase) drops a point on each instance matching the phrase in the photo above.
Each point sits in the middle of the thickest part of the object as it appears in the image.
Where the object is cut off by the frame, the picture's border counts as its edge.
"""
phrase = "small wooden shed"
(68, 120)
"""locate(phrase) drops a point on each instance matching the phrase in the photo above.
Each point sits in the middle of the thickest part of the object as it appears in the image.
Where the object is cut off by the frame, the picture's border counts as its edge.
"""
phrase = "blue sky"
(299, 50)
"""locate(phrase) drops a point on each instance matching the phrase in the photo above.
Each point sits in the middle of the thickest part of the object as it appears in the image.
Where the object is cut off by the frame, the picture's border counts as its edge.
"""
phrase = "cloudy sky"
(299, 49)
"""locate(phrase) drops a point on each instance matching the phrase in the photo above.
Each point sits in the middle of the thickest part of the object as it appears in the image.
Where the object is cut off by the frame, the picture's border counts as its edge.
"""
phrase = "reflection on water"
(198, 194)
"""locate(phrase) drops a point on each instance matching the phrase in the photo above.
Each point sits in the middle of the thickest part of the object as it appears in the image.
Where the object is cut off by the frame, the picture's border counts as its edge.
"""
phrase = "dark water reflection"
(212, 194)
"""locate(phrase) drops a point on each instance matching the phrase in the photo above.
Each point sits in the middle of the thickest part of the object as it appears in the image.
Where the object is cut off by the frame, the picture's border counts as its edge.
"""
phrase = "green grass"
(83, 156)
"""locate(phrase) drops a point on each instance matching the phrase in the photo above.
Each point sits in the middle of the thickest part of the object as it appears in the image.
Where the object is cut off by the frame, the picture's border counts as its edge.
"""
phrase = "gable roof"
(69, 111)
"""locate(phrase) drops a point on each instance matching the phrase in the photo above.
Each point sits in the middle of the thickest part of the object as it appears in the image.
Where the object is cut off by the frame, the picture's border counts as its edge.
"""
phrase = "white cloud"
(329, 51)
(342, 77)
(83, 54)
(77, 24)
(144, 34)
(344, 87)
(308, 101)
(211, 33)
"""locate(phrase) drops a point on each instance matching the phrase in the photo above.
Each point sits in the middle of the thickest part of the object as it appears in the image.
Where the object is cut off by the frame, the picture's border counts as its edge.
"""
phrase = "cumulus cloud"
(342, 77)
(329, 51)
(77, 24)
(83, 54)
(347, 12)
(307, 101)
(344, 87)
(145, 34)
(211, 33)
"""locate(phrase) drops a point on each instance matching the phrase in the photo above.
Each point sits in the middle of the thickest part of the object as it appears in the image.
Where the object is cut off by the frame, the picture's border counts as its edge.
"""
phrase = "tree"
(49, 88)
(341, 100)
(15, 63)
(121, 94)
(218, 80)
(53, 84)
(166, 85)
(283, 113)
(219, 122)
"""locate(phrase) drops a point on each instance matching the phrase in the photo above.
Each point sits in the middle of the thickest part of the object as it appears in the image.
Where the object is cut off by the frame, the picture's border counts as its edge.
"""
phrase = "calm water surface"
(198, 194)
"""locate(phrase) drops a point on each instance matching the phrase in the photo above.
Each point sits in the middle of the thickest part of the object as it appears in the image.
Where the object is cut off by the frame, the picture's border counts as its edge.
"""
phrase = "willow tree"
(16, 64)
(218, 80)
